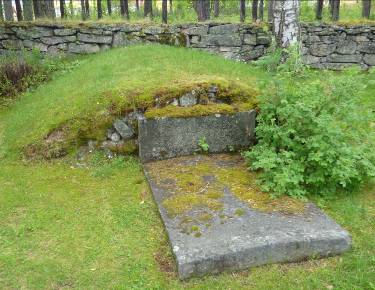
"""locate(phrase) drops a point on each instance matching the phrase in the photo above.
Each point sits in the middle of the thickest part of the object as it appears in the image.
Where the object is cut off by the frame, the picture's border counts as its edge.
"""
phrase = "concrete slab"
(168, 137)
(217, 219)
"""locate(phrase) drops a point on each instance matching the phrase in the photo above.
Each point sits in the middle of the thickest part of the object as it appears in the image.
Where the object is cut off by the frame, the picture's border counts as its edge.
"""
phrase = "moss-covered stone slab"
(167, 137)
(217, 219)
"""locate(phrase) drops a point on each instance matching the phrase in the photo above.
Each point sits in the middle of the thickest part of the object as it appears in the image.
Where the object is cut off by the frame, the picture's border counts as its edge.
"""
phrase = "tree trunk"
(330, 3)
(126, 8)
(147, 6)
(18, 10)
(27, 10)
(261, 9)
(242, 10)
(1, 11)
(8, 10)
(137, 4)
(83, 10)
(202, 10)
(319, 9)
(254, 10)
(62, 9)
(50, 9)
(366, 8)
(71, 8)
(335, 10)
(270, 12)
(170, 6)
(286, 24)
(87, 8)
(109, 7)
(208, 9)
(36, 7)
(99, 8)
(216, 8)
(164, 9)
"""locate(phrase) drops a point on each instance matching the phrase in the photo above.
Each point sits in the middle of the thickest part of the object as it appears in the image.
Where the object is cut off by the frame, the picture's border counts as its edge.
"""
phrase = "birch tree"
(1, 11)
(286, 22)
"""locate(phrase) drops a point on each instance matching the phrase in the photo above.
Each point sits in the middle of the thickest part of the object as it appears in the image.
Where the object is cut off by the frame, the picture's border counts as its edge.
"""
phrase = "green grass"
(111, 82)
(97, 227)
(92, 228)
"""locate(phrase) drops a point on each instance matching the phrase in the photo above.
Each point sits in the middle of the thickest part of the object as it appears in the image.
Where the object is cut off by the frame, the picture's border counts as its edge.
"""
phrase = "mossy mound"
(100, 88)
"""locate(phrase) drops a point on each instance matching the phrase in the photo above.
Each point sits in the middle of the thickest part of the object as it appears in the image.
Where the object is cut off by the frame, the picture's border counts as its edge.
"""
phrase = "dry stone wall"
(323, 45)
(336, 47)
(233, 41)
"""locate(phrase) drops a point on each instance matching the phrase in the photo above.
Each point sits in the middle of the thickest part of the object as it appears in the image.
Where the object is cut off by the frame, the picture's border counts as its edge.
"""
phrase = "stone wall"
(324, 45)
(233, 41)
(336, 47)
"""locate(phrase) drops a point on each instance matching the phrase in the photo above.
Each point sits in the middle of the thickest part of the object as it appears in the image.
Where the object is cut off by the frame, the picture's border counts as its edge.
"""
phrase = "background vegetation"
(176, 11)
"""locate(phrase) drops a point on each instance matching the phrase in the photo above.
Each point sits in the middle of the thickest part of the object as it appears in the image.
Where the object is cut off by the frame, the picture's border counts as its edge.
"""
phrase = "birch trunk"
(286, 22)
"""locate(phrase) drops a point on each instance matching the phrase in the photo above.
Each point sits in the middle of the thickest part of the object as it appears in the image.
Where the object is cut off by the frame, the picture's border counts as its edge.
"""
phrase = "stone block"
(236, 235)
(93, 38)
(170, 137)
(154, 30)
(197, 30)
(53, 40)
(250, 39)
(263, 39)
(321, 49)
(64, 32)
(369, 59)
(12, 44)
(224, 29)
(189, 99)
(344, 58)
(367, 47)
(123, 129)
(253, 54)
(310, 59)
(130, 28)
(83, 48)
(35, 45)
(221, 40)
(346, 47)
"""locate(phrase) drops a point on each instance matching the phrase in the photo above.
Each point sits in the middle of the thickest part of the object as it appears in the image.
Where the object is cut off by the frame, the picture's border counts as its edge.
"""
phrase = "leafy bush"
(314, 136)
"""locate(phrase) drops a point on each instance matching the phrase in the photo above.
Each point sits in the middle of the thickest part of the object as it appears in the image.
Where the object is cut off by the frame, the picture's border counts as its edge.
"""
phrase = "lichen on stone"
(190, 189)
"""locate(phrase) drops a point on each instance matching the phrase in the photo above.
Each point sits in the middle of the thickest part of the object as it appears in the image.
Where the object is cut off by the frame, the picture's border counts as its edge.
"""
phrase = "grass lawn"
(97, 227)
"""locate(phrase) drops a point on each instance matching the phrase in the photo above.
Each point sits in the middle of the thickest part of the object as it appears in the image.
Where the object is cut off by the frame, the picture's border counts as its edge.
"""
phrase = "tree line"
(29, 10)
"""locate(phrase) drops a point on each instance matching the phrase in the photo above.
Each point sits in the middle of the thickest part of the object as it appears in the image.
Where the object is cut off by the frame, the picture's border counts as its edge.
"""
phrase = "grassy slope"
(111, 78)
(98, 228)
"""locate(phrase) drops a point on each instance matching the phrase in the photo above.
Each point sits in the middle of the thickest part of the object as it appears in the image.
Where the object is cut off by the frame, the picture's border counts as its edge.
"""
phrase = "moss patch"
(183, 112)
(191, 189)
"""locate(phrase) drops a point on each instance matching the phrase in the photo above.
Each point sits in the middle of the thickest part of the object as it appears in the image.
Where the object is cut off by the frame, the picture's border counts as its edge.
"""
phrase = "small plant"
(203, 146)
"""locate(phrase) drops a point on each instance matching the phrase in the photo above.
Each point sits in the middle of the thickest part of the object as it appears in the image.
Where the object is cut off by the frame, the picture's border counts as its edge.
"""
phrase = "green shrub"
(314, 136)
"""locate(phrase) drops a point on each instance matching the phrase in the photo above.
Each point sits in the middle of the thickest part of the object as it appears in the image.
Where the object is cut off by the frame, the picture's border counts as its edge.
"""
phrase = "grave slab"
(168, 137)
(218, 220)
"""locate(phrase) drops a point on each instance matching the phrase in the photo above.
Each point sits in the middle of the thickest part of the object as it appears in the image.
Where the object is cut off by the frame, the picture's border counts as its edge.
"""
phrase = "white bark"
(286, 22)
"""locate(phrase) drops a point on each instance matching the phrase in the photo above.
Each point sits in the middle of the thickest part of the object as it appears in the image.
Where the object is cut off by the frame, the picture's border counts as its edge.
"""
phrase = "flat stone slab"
(217, 219)
(168, 137)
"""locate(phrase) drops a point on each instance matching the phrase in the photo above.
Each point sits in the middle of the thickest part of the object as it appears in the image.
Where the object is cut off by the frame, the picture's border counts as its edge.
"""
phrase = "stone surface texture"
(234, 41)
(338, 46)
(230, 241)
(323, 45)
(162, 138)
